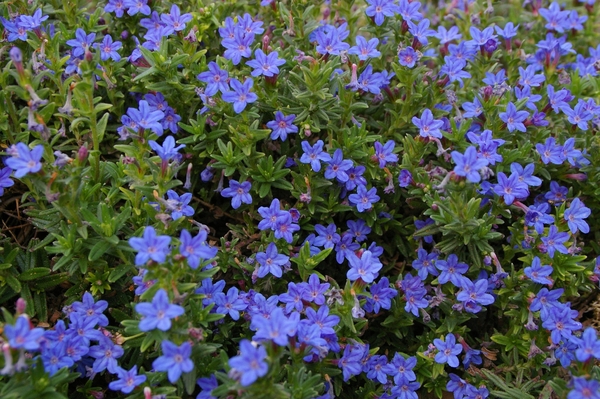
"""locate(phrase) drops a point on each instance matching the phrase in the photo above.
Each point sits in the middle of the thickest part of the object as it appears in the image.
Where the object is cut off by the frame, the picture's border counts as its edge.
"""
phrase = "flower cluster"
(378, 198)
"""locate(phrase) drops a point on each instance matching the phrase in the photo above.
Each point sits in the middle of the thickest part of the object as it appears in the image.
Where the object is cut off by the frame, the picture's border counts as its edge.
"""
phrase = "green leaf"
(33, 274)
(50, 281)
(13, 283)
(99, 249)
(119, 272)
(101, 125)
(147, 72)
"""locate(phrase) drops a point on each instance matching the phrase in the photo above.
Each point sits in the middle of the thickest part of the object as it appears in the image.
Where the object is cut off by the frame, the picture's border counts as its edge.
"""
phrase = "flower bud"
(16, 56)
(82, 154)
(20, 306)
(89, 57)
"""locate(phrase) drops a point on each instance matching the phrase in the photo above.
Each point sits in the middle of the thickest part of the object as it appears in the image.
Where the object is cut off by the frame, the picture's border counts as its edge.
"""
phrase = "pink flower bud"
(21, 306)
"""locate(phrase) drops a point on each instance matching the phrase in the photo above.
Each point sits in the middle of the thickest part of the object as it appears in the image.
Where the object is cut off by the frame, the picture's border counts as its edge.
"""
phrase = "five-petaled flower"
(159, 313)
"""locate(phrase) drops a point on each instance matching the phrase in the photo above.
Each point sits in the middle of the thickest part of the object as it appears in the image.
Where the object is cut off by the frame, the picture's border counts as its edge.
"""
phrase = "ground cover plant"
(299, 199)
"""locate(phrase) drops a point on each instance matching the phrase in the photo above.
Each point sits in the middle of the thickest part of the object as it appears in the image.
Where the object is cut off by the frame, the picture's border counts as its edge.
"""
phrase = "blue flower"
(537, 217)
(469, 164)
(25, 161)
(525, 174)
(91, 310)
(238, 192)
(81, 42)
(271, 261)
(330, 42)
(127, 381)
(351, 360)
(106, 354)
(108, 49)
(250, 363)
(555, 240)
(579, 115)
(34, 21)
(238, 47)
(364, 199)
(448, 351)
(511, 188)
(215, 79)
(55, 357)
(364, 49)
(401, 369)
(448, 35)
(474, 294)
(249, 26)
(425, 264)
(405, 178)
(314, 155)
(150, 246)
(428, 127)
(137, 6)
(241, 95)
(480, 37)
(365, 268)
(560, 322)
(175, 360)
(385, 153)
(381, 296)
(588, 345)
(178, 205)
(271, 215)
(285, 227)
(538, 273)
(147, 118)
(367, 81)
(555, 17)
(22, 336)
(327, 236)
(174, 21)
(453, 67)
(575, 214)
(379, 9)
(529, 78)
(452, 270)
(408, 57)
(338, 166)
(116, 6)
(584, 389)
(231, 303)
(266, 65)
(359, 229)
(421, 31)
(167, 151)
(207, 385)
(195, 249)
(409, 10)
(314, 290)
(159, 313)
(282, 126)
(514, 119)
(509, 31)
(355, 177)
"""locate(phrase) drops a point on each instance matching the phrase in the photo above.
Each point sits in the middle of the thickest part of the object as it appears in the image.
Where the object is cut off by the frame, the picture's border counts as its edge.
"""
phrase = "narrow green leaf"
(99, 249)
(33, 274)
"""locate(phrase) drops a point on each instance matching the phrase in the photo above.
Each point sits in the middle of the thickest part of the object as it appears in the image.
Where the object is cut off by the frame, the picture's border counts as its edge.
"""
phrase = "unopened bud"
(188, 177)
(16, 56)
(265, 42)
(21, 306)
(82, 154)
(89, 57)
